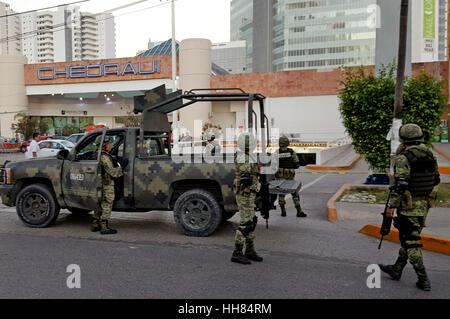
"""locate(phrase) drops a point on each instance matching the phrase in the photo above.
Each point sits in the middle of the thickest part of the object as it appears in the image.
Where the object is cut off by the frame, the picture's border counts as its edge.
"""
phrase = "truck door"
(81, 176)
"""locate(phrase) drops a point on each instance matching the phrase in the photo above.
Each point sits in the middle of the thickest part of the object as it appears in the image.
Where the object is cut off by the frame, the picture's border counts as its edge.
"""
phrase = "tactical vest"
(286, 160)
(102, 169)
(423, 173)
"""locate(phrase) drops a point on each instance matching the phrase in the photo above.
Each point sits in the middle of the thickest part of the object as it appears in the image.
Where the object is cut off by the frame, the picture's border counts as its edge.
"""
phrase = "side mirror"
(62, 154)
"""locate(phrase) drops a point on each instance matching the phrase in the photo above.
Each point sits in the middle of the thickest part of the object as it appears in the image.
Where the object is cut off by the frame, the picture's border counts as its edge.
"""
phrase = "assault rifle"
(387, 221)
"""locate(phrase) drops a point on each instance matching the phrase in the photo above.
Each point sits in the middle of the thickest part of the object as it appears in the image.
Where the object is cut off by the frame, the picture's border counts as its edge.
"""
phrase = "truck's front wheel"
(37, 206)
(197, 213)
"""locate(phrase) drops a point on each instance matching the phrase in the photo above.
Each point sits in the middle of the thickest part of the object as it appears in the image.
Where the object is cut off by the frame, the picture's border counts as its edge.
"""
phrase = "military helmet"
(411, 133)
(246, 142)
(98, 139)
(283, 141)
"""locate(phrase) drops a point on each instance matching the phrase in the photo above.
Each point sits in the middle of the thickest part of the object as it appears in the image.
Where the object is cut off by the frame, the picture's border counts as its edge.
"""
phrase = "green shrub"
(367, 109)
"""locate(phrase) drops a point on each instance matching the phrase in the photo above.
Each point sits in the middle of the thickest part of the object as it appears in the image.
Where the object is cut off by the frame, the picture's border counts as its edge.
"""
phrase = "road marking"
(313, 182)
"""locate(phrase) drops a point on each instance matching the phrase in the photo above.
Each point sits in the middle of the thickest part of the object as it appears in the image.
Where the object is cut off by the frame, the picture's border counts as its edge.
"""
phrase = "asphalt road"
(149, 257)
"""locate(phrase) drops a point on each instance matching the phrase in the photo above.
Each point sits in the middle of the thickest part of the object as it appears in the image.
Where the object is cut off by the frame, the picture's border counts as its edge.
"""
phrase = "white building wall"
(59, 36)
(314, 117)
(29, 42)
(107, 36)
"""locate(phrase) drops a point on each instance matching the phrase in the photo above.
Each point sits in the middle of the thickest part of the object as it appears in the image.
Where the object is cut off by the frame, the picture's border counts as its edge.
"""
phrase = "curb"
(429, 242)
(335, 168)
(332, 214)
(441, 152)
(443, 169)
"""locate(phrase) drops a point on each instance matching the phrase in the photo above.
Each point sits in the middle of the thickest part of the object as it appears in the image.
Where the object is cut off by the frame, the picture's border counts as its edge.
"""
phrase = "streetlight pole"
(401, 64)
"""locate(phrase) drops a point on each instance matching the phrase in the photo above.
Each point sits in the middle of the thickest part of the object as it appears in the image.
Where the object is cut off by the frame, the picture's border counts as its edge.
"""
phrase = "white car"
(52, 147)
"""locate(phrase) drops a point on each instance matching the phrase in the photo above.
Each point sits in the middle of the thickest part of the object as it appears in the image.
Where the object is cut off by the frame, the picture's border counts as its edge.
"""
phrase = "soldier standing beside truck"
(109, 172)
(246, 186)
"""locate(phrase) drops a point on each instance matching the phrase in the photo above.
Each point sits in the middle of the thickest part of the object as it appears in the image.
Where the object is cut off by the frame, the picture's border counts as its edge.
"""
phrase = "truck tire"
(36, 206)
(78, 211)
(197, 213)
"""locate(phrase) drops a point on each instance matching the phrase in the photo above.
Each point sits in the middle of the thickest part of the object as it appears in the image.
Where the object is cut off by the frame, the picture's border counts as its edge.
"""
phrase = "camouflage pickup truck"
(200, 194)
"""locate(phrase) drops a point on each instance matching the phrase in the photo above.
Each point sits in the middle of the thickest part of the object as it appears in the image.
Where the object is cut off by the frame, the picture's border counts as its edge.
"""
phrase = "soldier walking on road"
(288, 163)
(246, 186)
(109, 172)
(416, 174)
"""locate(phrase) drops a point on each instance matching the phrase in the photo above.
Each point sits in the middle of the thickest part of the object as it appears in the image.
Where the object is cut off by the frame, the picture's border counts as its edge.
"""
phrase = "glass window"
(153, 146)
(88, 150)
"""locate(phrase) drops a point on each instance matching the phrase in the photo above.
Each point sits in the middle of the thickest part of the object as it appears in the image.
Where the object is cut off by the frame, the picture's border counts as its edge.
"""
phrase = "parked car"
(52, 147)
(74, 138)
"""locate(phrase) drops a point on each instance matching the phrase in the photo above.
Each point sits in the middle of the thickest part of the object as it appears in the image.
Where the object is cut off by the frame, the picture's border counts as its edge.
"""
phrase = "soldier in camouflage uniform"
(288, 162)
(246, 186)
(109, 172)
(416, 174)
(212, 148)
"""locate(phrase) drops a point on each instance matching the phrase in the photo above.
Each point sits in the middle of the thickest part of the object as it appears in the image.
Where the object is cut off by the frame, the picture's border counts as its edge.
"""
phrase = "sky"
(136, 24)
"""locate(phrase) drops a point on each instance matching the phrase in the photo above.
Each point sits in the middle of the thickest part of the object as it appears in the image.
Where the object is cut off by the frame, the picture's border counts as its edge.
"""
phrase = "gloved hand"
(124, 162)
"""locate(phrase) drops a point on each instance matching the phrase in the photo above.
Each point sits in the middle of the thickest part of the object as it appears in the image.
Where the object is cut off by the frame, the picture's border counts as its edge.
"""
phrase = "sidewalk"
(345, 160)
(443, 147)
(435, 236)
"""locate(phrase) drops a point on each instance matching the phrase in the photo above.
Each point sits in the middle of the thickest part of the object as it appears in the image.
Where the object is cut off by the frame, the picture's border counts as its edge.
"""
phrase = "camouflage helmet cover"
(283, 141)
(411, 133)
(246, 142)
(98, 139)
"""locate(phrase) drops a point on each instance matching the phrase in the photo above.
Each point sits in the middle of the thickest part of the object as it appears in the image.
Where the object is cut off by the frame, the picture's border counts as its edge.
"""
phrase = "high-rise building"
(322, 34)
(10, 31)
(241, 27)
(68, 35)
(230, 56)
(293, 34)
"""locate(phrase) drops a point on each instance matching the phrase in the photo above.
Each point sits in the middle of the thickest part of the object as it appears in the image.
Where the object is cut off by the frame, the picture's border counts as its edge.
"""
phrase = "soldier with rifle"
(412, 195)
(246, 187)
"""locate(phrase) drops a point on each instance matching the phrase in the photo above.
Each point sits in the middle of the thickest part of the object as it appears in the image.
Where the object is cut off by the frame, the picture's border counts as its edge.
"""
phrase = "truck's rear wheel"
(197, 213)
(36, 206)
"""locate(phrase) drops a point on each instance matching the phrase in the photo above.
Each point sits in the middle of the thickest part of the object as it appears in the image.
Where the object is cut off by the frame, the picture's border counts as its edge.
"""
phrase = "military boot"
(105, 230)
(238, 256)
(424, 285)
(300, 213)
(95, 225)
(390, 270)
(283, 211)
(250, 252)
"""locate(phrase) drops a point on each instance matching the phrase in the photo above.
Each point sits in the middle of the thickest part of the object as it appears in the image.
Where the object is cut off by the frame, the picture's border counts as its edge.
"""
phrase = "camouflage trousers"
(295, 198)
(106, 203)
(245, 233)
(409, 228)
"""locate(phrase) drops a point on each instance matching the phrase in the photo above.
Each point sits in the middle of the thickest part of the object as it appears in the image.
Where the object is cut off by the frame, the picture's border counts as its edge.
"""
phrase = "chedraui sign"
(97, 70)
(429, 19)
